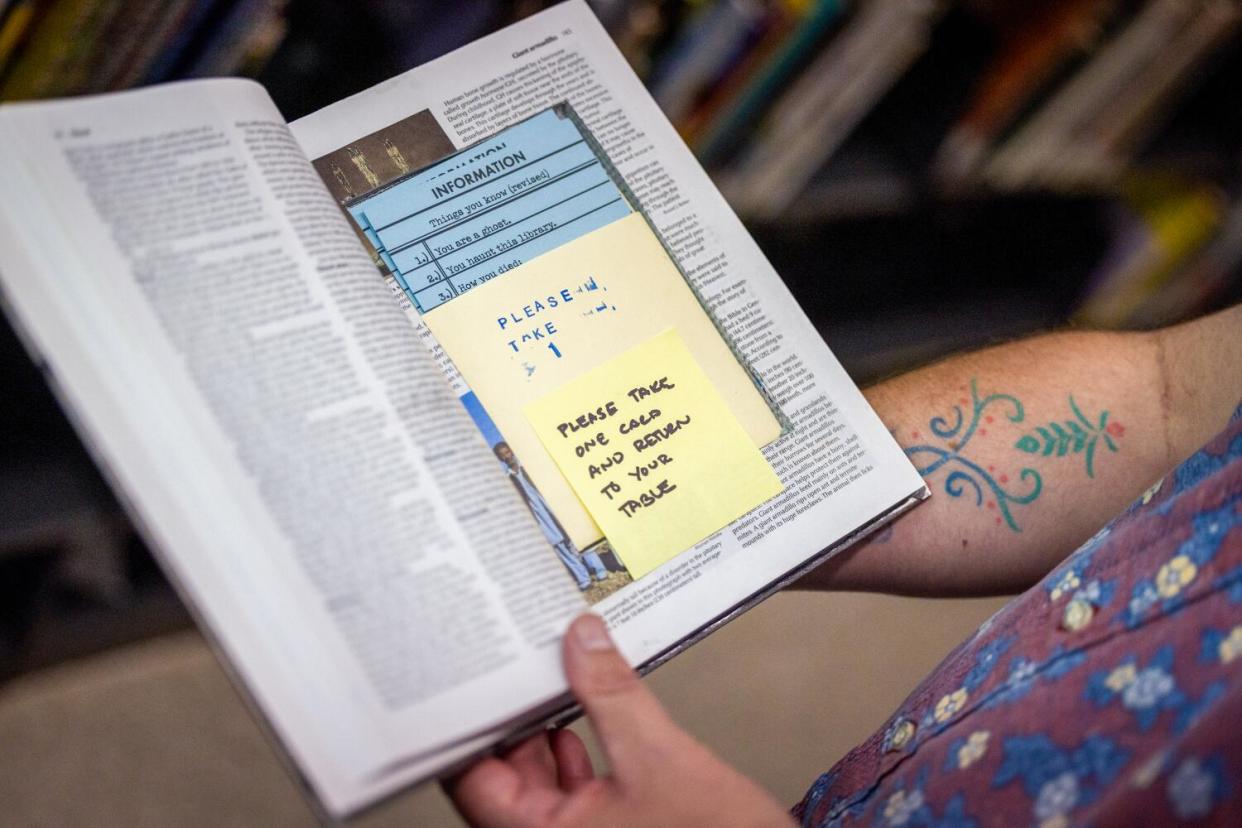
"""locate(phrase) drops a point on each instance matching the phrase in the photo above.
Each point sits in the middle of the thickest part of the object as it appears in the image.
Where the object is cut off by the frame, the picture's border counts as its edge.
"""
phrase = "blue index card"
(485, 210)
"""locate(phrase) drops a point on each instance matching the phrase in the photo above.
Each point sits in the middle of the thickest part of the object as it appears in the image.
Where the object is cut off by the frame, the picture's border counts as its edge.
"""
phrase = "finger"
(626, 716)
(488, 794)
(534, 763)
(573, 763)
(495, 793)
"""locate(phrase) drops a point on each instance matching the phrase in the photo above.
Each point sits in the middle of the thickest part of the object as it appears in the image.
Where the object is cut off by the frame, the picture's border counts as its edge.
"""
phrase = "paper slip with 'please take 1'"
(544, 324)
(653, 451)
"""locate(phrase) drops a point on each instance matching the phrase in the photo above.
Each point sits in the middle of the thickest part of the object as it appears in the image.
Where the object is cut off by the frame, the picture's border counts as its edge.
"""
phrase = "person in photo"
(581, 565)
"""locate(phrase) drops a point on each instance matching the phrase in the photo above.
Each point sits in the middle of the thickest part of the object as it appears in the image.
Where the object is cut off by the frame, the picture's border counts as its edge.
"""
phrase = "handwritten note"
(653, 452)
(519, 338)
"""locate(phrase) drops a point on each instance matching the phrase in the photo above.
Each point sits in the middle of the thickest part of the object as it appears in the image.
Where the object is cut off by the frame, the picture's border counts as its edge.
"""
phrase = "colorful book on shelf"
(1119, 128)
(815, 115)
(137, 32)
(722, 128)
(72, 47)
(780, 22)
(16, 23)
(192, 23)
(1049, 149)
(50, 46)
(1206, 279)
(1041, 48)
(1165, 221)
(245, 37)
(714, 40)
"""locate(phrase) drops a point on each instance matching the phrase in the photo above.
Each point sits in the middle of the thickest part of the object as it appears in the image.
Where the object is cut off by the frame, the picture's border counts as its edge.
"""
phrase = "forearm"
(1031, 447)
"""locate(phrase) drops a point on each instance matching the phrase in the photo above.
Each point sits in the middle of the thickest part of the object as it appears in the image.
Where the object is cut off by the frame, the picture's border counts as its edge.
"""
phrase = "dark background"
(894, 267)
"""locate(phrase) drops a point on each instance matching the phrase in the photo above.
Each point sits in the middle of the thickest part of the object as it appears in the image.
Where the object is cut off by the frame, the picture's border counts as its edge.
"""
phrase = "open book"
(319, 478)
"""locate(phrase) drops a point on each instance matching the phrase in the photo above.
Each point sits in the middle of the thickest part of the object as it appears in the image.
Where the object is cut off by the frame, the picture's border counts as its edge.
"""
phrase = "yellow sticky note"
(531, 330)
(653, 452)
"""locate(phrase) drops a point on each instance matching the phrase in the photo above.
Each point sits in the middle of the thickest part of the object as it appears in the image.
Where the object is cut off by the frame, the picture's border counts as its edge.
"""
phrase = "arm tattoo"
(1078, 435)
(1074, 436)
(966, 475)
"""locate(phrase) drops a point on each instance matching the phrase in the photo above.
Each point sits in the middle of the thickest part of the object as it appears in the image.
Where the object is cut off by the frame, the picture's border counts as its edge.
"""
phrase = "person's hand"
(660, 775)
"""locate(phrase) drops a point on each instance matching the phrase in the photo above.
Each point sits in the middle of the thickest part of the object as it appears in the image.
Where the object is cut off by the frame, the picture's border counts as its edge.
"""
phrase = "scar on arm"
(1166, 392)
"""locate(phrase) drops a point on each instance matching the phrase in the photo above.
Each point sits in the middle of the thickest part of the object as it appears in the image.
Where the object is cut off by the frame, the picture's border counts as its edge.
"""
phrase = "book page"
(291, 449)
(839, 466)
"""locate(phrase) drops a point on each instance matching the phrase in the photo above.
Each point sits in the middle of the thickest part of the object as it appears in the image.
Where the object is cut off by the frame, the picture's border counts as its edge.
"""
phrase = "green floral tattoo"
(1076, 436)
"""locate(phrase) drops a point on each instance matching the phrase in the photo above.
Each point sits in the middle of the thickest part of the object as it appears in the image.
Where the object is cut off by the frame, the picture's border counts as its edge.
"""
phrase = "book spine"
(1118, 129)
(712, 41)
(1171, 220)
(18, 21)
(748, 59)
(1043, 52)
(50, 48)
(88, 47)
(809, 123)
(1034, 152)
(246, 28)
(1204, 281)
(164, 64)
(721, 135)
(128, 30)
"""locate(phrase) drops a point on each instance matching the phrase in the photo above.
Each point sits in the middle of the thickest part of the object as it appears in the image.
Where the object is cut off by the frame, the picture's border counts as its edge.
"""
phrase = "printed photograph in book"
(532, 266)
(596, 569)
(373, 160)
(363, 166)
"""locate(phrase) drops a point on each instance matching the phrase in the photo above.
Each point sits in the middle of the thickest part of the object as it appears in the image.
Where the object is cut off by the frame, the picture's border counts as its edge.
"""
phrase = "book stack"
(806, 124)
(1176, 252)
(765, 92)
(52, 48)
(1068, 103)
(1162, 221)
(816, 110)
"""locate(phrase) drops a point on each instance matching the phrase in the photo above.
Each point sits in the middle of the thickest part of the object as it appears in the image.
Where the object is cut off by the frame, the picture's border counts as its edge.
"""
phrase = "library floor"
(154, 735)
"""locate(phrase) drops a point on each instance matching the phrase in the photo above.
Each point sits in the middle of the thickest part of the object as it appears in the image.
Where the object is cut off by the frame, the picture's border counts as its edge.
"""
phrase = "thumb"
(628, 719)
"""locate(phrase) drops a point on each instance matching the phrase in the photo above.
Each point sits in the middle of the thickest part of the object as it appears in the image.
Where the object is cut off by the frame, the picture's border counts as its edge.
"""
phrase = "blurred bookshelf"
(926, 175)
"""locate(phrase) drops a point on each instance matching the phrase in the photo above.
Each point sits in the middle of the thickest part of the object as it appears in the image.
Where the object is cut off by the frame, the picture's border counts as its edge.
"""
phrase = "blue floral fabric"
(1109, 694)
